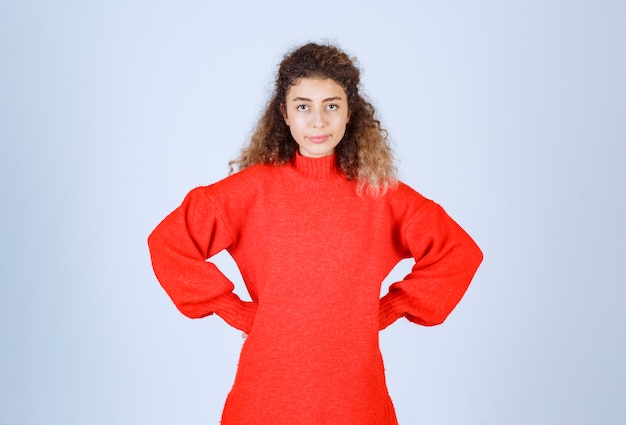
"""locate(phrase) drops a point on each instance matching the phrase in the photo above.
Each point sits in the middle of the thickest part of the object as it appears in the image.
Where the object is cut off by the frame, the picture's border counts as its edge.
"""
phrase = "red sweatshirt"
(313, 254)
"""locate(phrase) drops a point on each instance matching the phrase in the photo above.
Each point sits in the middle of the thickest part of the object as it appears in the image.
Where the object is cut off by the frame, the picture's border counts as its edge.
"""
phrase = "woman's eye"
(332, 107)
(301, 107)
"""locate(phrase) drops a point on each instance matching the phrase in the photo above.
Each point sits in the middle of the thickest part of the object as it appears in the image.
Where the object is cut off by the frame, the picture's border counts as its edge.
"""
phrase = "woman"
(315, 218)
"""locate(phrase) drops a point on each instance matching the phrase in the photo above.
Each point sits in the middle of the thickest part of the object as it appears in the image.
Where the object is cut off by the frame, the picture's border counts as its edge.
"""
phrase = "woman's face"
(316, 111)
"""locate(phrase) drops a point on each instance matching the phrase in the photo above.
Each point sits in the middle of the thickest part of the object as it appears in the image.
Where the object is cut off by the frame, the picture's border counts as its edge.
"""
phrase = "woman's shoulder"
(247, 178)
(241, 184)
(406, 202)
(402, 192)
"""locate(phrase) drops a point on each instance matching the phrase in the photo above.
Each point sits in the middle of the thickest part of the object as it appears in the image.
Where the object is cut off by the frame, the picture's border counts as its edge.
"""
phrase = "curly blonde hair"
(363, 154)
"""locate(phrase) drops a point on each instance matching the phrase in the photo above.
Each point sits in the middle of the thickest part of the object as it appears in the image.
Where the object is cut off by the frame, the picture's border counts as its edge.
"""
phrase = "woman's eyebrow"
(306, 99)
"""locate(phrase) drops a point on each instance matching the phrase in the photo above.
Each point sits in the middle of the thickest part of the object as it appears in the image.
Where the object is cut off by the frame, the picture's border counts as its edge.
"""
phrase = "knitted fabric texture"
(313, 254)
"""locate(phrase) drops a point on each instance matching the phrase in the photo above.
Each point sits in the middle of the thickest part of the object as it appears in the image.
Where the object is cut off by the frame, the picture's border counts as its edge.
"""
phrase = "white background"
(509, 114)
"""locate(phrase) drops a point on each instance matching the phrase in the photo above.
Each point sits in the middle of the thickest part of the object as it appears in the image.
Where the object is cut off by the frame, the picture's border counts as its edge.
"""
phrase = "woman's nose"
(318, 119)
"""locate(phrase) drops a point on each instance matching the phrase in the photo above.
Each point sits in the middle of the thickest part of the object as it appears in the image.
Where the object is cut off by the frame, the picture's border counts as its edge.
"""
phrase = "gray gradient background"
(510, 114)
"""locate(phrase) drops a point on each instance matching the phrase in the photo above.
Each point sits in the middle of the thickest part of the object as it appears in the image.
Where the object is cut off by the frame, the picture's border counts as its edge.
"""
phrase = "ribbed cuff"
(237, 313)
(391, 308)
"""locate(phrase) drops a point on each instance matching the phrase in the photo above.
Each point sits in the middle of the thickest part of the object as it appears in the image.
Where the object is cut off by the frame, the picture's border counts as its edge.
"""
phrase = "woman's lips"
(319, 139)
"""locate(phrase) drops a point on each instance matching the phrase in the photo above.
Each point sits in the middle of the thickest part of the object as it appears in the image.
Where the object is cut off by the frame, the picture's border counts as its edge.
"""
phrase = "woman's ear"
(284, 114)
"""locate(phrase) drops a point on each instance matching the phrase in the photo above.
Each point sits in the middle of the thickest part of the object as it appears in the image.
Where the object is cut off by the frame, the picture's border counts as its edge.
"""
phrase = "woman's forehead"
(315, 86)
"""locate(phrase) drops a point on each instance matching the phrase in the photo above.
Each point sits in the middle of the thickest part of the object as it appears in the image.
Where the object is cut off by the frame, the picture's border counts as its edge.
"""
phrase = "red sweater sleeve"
(179, 248)
(446, 259)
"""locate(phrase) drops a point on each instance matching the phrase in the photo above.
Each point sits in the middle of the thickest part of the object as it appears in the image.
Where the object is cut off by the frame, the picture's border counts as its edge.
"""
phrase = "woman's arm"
(446, 259)
(179, 248)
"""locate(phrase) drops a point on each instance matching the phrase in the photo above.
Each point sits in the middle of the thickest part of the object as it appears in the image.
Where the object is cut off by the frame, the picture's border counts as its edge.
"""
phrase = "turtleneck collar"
(321, 168)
